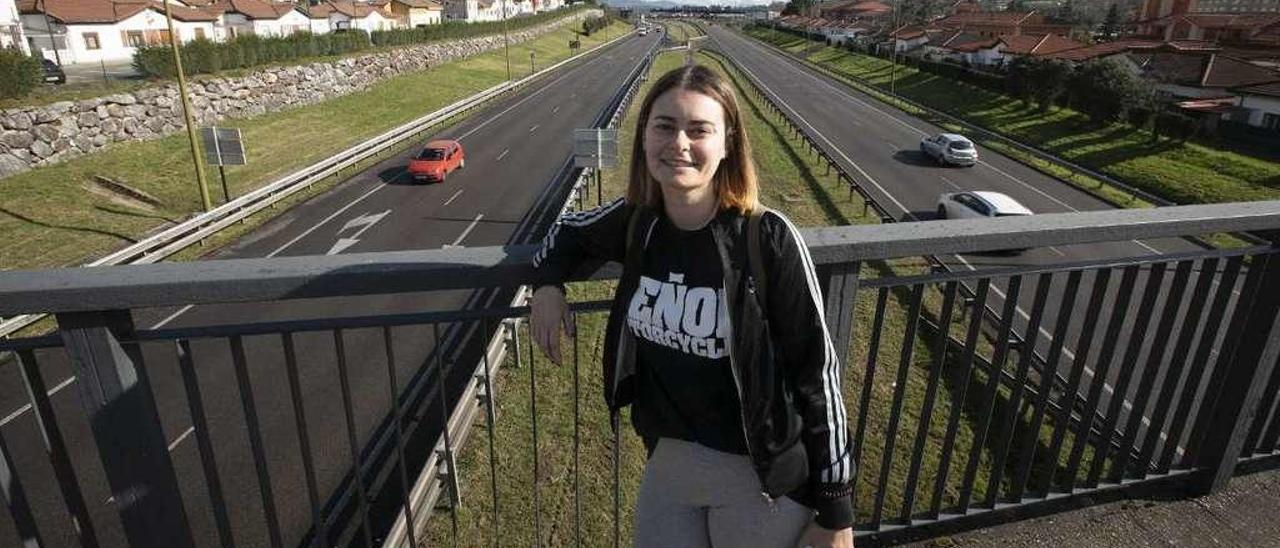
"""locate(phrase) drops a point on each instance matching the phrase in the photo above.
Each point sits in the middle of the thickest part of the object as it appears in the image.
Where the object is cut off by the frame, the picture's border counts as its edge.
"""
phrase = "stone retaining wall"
(48, 134)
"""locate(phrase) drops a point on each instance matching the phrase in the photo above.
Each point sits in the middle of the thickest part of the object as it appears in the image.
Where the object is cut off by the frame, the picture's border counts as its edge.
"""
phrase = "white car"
(949, 148)
(978, 204)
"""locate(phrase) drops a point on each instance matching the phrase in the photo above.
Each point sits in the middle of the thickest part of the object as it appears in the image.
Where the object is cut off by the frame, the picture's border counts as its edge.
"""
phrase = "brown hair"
(735, 181)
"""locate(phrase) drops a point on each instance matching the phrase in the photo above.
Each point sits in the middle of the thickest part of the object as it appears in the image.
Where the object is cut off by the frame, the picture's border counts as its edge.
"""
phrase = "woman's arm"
(807, 356)
(595, 235)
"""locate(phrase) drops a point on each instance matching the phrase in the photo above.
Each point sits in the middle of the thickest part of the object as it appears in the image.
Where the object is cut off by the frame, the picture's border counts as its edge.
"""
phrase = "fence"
(1176, 352)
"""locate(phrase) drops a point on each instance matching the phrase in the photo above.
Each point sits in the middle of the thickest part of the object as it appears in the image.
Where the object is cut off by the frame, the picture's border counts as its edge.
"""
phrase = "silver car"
(949, 148)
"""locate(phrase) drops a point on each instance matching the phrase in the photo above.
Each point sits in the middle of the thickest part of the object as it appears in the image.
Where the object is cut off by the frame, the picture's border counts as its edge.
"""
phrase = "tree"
(19, 73)
(799, 7)
(1112, 24)
(1016, 5)
(1018, 78)
(1051, 77)
(1105, 90)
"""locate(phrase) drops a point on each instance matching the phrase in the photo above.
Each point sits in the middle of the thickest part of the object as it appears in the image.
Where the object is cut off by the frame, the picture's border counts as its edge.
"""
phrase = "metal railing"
(799, 129)
(1192, 339)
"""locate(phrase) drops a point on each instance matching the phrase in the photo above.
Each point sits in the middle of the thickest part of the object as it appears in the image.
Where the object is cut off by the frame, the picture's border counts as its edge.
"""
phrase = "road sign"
(223, 146)
(595, 148)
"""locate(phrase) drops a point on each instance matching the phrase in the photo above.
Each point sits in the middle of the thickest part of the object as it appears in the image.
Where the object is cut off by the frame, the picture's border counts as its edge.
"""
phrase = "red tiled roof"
(1271, 89)
(255, 9)
(1210, 104)
(351, 9)
(1101, 50)
(421, 4)
(106, 11)
(1226, 72)
(1031, 44)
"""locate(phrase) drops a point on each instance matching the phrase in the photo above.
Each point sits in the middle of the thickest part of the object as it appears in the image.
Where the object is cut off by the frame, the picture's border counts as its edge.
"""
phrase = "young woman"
(738, 400)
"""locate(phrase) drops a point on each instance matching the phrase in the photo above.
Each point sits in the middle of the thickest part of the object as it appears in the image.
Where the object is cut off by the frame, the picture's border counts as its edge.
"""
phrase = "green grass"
(795, 182)
(1185, 173)
(50, 220)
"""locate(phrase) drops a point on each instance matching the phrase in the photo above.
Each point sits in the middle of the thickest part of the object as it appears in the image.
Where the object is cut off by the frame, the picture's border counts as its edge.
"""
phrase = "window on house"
(134, 38)
(1271, 121)
(199, 33)
(91, 41)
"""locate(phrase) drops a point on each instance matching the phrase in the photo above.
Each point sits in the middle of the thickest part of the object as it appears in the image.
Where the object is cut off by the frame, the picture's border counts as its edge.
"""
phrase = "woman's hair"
(735, 179)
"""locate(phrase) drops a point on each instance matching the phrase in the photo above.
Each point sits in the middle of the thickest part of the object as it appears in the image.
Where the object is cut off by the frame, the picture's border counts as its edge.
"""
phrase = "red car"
(437, 160)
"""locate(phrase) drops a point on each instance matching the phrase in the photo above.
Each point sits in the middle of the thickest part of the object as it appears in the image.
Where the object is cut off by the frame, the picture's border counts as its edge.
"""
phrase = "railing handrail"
(279, 278)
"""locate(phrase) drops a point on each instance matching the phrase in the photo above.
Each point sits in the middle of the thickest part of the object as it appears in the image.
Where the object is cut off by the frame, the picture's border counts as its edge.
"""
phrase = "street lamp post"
(186, 111)
(893, 52)
(48, 28)
(506, 38)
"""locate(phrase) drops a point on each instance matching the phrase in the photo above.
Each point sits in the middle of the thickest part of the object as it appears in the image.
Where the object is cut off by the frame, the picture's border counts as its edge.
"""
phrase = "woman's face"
(684, 140)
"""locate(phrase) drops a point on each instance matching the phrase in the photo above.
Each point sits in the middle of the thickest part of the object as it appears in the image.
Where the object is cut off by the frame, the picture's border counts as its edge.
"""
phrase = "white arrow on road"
(364, 222)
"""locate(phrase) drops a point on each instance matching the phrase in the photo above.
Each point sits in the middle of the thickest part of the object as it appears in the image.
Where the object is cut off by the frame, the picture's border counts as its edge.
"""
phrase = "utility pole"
(48, 28)
(893, 51)
(506, 38)
(186, 111)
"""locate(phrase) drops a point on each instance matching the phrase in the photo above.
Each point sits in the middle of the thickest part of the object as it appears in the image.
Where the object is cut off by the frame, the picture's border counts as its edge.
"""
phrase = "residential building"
(853, 10)
(11, 35)
(89, 31)
(417, 13)
(1236, 6)
(1262, 105)
(260, 18)
(1258, 28)
(1001, 23)
(345, 15)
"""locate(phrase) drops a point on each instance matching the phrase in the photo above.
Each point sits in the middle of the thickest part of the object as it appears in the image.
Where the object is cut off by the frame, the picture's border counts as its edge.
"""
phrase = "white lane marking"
(950, 182)
(365, 222)
(503, 155)
(27, 407)
(555, 110)
(921, 132)
(471, 226)
(454, 197)
(340, 211)
(1055, 250)
(533, 129)
(184, 435)
(539, 91)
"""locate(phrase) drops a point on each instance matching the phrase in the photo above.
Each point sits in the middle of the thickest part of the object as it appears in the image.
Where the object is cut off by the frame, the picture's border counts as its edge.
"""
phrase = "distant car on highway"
(52, 73)
(437, 160)
(644, 31)
(949, 148)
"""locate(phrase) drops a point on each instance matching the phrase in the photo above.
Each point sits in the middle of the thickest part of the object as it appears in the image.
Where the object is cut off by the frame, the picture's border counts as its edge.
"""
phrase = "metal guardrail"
(176, 238)
(439, 476)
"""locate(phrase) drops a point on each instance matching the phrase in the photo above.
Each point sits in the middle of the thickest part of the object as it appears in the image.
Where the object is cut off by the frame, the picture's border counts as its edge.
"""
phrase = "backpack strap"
(754, 257)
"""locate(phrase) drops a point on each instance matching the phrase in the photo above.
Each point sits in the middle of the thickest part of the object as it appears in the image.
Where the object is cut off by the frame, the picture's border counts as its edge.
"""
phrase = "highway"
(515, 150)
(879, 146)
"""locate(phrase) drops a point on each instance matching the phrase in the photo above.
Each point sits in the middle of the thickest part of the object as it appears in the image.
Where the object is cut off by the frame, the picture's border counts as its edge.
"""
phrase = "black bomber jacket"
(785, 367)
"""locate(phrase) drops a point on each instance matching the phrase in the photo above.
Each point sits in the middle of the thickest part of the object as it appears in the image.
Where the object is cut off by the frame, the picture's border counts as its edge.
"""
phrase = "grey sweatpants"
(692, 496)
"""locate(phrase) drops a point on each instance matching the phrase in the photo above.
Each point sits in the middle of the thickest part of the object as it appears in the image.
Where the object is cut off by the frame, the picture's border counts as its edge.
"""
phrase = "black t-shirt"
(677, 314)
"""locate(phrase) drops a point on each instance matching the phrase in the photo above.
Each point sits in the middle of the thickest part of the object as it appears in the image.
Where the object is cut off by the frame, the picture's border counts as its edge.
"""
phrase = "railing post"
(839, 283)
(1243, 376)
(122, 413)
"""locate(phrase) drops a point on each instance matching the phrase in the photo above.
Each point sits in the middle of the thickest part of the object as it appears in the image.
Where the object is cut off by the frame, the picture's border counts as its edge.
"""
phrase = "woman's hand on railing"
(549, 312)
(817, 536)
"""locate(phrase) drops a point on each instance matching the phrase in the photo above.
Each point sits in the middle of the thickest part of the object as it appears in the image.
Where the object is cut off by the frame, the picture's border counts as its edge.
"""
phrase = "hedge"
(206, 57)
(19, 73)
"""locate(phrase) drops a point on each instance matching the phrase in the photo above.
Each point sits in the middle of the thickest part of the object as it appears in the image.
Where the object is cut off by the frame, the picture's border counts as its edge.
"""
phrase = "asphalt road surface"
(515, 150)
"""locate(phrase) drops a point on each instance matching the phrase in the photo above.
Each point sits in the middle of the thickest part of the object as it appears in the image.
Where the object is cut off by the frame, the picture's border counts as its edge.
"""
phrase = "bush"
(19, 73)
(247, 50)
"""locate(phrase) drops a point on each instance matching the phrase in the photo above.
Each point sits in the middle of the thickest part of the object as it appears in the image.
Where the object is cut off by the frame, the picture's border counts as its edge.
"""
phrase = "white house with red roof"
(259, 17)
(11, 35)
(89, 31)
(349, 15)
